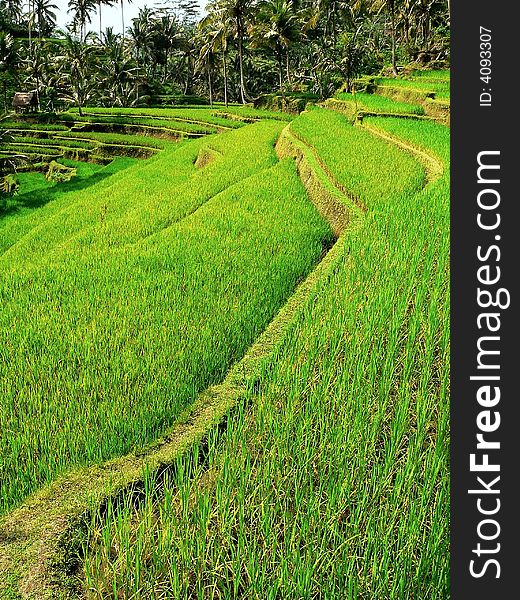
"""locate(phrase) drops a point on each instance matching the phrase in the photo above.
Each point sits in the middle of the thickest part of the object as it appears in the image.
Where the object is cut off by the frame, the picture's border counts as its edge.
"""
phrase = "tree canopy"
(236, 51)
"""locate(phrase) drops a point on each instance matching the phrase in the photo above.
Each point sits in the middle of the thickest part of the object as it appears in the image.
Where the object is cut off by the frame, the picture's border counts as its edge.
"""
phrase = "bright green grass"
(53, 141)
(380, 104)
(128, 298)
(334, 482)
(394, 171)
(441, 88)
(432, 75)
(428, 136)
(170, 182)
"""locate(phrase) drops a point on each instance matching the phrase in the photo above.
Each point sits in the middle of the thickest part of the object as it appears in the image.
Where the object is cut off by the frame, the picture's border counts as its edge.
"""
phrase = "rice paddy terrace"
(224, 353)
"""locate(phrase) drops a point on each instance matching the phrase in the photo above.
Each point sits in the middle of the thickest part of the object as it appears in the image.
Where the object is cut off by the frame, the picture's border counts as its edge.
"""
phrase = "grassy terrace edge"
(41, 541)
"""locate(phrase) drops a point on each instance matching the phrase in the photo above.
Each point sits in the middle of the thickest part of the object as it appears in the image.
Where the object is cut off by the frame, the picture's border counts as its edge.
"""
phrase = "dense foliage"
(234, 51)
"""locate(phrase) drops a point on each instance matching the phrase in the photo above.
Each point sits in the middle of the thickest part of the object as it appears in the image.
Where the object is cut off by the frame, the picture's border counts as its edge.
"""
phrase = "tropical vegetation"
(235, 51)
(224, 282)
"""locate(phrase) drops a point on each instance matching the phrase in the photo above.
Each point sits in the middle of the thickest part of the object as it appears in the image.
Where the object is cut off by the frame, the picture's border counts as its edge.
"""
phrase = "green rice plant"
(247, 112)
(114, 139)
(135, 294)
(325, 131)
(200, 115)
(332, 479)
(17, 124)
(441, 89)
(57, 142)
(173, 185)
(379, 104)
(117, 121)
(429, 136)
(431, 75)
(30, 149)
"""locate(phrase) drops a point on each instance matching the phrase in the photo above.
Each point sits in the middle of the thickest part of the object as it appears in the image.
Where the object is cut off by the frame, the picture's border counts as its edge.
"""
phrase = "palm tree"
(238, 11)
(45, 15)
(82, 10)
(35, 65)
(141, 34)
(329, 9)
(30, 23)
(116, 72)
(391, 7)
(277, 27)
(100, 3)
(167, 35)
(8, 61)
(123, 16)
(206, 62)
(78, 66)
(14, 10)
(215, 27)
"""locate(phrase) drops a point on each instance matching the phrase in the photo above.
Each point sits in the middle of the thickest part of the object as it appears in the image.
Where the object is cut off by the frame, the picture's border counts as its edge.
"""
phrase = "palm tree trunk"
(30, 27)
(334, 33)
(123, 18)
(188, 76)
(210, 86)
(99, 8)
(241, 61)
(392, 20)
(37, 90)
(287, 65)
(225, 78)
(280, 68)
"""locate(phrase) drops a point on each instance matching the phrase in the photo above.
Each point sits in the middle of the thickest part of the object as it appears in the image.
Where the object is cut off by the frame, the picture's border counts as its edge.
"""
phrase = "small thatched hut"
(25, 102)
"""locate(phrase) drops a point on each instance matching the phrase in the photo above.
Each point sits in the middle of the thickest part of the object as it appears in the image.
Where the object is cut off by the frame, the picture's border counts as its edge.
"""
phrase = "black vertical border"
(474, 129)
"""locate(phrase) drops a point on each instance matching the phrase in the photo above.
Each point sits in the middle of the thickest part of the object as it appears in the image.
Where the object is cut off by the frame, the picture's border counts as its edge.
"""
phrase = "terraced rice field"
(98, 281)
(379, 104)
(307, 461)
(437, 87)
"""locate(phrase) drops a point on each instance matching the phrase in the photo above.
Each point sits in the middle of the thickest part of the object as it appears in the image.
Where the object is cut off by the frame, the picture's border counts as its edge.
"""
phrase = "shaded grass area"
(115, 138)
(10, 123)
(38, 145)
(332, 481)
(130, 299)
(20, 216)
(215, 115)
(111, 119)
(24, 140)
